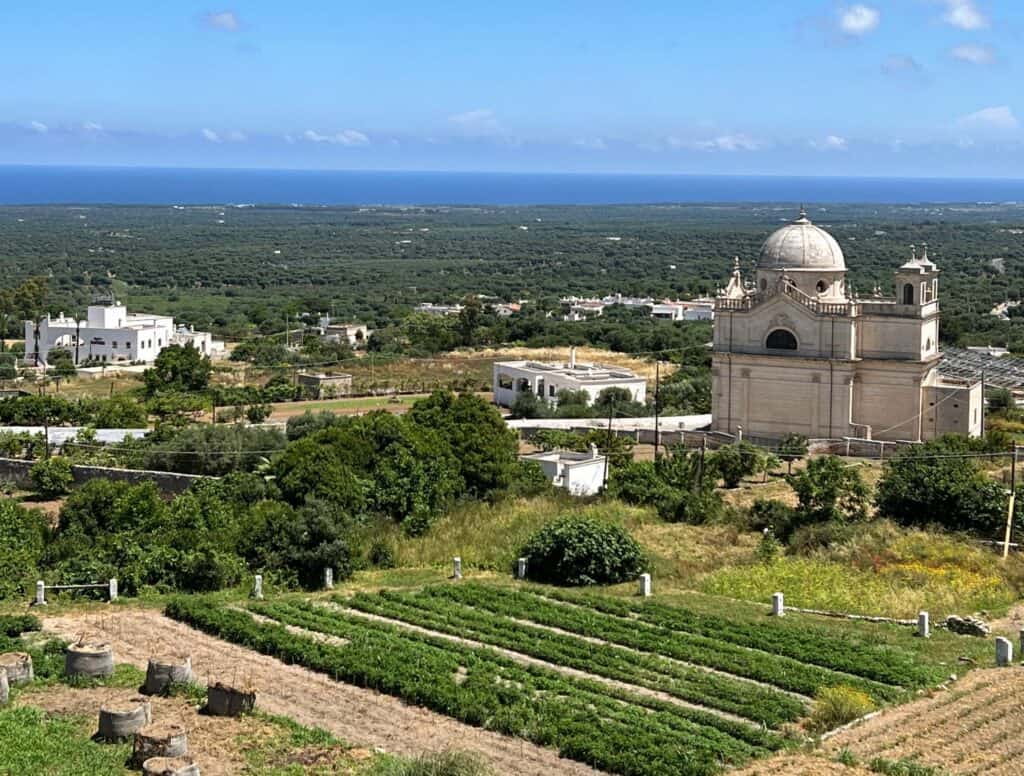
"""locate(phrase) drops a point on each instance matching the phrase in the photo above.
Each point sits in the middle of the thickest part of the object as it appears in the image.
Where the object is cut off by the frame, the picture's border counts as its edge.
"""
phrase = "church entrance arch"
(781, 339)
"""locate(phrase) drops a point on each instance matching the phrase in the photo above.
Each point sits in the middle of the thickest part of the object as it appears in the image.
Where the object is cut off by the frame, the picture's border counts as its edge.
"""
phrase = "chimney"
(572, 357)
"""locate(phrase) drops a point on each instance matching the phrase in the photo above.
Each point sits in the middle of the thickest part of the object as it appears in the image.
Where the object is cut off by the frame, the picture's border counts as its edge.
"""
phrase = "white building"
(545, 380)
(355, 334)
(798, 352)
(582, 474)
(110, 334)
(693, 310)
(438, 309)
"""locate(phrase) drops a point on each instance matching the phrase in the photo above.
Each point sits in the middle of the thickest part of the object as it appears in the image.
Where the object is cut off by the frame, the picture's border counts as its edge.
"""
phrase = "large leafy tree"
(828, 489)
(178, 368)
(484, 446)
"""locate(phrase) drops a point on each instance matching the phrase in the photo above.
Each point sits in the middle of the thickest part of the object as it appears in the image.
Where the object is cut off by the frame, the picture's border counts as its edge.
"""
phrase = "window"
(780, 339)
(822, 286)
(505, 381)
(551, 390)
(908, 293)
(113, 344)
(764, 284)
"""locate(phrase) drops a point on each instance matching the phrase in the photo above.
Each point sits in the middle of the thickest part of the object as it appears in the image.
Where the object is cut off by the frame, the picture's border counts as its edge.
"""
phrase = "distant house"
(511, 378)
(325, 386)
(693, 310)
(438, 309)
(355, 334)
(582, 474)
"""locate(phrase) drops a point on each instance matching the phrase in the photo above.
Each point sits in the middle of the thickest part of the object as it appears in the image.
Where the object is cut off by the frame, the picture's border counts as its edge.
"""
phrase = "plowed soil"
(359, 716)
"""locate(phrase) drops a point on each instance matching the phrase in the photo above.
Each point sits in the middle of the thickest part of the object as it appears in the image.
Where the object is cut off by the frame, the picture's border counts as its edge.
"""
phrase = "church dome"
(801, 245)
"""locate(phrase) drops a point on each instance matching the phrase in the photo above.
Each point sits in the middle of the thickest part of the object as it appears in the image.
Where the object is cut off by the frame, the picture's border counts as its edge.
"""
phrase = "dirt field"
(362, 717)
(976, 727)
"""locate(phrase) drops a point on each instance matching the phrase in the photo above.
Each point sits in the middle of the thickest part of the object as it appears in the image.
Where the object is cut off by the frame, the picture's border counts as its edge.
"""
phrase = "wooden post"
(1013, 496)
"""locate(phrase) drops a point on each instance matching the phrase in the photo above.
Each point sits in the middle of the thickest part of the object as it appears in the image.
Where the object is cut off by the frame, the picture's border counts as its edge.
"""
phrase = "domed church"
(796, 351)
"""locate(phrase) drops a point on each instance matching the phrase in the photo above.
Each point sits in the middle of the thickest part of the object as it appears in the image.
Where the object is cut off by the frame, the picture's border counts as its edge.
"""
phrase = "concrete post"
(1004, 651)
(40, 593)
(112, 589)
(257, 587)
(456, 567)
(1022, 641)
(328, 578)
(778, 605)
(923, 629)
(521, 573)
(645, 585)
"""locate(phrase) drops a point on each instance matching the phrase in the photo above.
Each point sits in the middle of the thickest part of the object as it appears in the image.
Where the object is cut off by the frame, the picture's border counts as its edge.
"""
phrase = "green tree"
(582, 551)
(792, 447)
(736, 461)
(178, 368)
(1000, 400)
(469, 319)
(827, 489)
(51, 477)
(24, 534)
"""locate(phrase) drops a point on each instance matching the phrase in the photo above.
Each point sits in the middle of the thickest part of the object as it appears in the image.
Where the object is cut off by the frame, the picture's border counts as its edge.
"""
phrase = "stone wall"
(170, 483)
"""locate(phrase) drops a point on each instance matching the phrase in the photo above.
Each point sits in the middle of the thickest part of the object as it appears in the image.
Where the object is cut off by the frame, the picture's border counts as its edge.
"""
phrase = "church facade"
(796, 351)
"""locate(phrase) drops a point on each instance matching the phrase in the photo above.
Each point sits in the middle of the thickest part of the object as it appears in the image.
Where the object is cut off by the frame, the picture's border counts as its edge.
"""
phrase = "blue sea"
(22, 185)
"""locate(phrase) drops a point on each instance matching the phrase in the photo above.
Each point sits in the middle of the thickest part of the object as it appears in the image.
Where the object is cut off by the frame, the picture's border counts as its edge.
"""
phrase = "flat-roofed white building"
(545, 380)
(110, 334)
(582, 474)
(693, 310)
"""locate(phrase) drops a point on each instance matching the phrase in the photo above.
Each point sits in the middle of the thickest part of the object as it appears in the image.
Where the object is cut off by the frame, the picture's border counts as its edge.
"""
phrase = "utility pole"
(657, 404)
(608, 445)
(1013, 496)
(78, 337)
(700, 465)
(983, 403)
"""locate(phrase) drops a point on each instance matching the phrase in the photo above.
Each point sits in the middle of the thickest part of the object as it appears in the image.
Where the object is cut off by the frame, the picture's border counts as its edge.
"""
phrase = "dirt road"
(359, 716)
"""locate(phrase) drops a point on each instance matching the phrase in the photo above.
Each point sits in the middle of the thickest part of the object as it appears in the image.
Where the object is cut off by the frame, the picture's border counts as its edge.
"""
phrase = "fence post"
(645, 585)
(328, 578)
(40, 593)
(257, 587)
(112, 589)
(521, 574)
(1004, 651)
(923, 629)
(778, 605)
(456, 567)
(1022, 641)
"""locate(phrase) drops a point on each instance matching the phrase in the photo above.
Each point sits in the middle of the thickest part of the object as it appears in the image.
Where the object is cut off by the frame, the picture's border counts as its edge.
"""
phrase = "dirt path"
(359, 716)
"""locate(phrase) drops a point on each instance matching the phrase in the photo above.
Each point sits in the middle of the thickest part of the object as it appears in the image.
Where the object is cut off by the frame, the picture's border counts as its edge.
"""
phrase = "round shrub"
(582, 551)
(835, 706)
(51, 477)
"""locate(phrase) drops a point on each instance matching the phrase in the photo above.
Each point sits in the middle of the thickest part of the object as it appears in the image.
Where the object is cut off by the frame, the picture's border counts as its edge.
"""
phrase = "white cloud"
(965, 15)
(591, 144)
(210, 135)
(729, 143)
(830, 143)
(997, 117)
(92, 126)
(858, 19)
(38, 126)
(348, 137)
(223, 20)
(974, 53)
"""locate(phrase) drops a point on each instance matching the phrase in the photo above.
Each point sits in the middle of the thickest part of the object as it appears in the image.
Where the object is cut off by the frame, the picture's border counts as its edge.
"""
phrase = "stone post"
(257, 587)
(40, 593)
(112, 589)
(923, 628)
(456, 567)
(778, 605)
(328, 578)
(521, 574)
(645, 585)
(1004, 651)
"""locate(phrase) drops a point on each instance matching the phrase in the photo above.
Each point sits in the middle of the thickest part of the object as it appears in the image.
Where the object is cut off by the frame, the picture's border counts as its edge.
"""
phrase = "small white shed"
(582, 474)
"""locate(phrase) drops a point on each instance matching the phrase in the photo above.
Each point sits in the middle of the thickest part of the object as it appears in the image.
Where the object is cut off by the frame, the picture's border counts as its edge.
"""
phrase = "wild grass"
(33, 743)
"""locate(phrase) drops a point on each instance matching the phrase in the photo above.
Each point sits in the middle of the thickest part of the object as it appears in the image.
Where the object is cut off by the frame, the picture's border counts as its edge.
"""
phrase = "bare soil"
(974, 727)
(362, 717)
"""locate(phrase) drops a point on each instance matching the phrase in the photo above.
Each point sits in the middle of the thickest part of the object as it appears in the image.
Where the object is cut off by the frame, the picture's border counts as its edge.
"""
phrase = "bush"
(582, 551)
(828, 489)
(24, 534)
(442, 764)
(528, 480)
(835, 706)
(734, 462)
(52, 477)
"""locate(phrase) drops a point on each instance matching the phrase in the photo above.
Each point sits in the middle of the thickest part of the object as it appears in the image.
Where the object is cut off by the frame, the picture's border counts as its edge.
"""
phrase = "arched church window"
(780, 339)
(908, 293)
(822, 286)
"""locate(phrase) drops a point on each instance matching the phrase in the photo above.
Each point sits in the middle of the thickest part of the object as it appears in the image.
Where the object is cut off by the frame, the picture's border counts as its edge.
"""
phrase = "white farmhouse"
(110, 334)
(693, 310)
(514, 377)
(582, 474)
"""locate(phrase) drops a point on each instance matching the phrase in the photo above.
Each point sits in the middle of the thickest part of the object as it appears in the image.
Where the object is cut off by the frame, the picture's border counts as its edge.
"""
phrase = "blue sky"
(809, 87)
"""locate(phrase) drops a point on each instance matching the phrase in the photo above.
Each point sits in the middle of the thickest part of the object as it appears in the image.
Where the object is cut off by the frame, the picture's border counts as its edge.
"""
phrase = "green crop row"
(784, 672)
(872, 661)
(609, 730)
(764, 705)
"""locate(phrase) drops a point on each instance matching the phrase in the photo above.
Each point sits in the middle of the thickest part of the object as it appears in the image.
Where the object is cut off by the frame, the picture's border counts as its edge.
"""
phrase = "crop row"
(779, 670)
(807, 644)
(761, 704)
(610, 730)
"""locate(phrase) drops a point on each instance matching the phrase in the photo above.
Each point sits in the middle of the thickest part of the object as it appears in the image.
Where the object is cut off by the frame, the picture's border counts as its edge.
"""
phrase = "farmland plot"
(629, 688)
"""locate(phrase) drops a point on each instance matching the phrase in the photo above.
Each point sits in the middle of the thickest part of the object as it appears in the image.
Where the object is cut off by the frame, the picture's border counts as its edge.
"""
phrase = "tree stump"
(18, 666)
(162, 739)
(162, 672)
(5, 690)
(225, 701)
(89, 658)
(170, 766)
(120, 721)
